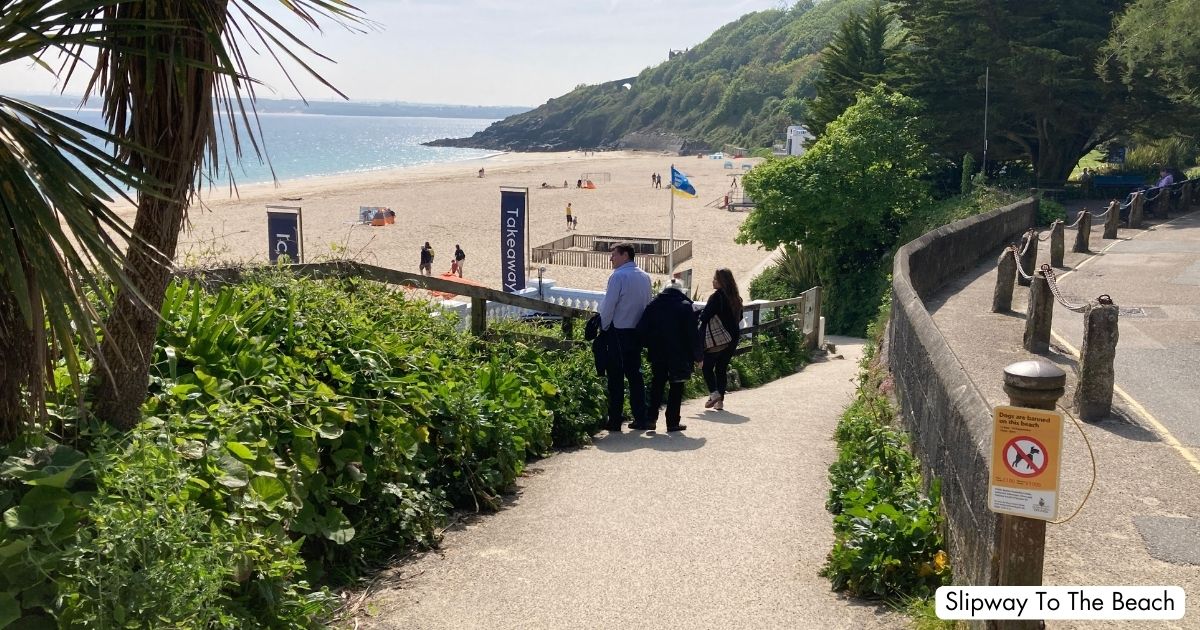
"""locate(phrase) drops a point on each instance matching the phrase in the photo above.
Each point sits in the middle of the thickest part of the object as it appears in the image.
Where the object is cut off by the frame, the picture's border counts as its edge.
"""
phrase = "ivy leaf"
(336, 527)
(235, 473)
(240, 450)
(10, 610)
(40, 508)
(269, 489)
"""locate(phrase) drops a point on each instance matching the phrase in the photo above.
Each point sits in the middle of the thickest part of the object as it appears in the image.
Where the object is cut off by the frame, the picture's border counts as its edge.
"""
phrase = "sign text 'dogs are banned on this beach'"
(1026, 451)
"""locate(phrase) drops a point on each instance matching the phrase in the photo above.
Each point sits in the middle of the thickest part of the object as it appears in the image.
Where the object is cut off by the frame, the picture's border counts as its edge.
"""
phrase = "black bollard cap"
(1035, 375)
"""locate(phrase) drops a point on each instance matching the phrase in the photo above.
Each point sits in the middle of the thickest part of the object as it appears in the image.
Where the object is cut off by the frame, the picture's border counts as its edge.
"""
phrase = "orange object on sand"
(446, 295)
(390, 220)
(589, 184)
(378, 222)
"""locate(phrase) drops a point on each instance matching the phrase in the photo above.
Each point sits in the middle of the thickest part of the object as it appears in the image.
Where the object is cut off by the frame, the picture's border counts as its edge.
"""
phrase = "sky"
(473, 52)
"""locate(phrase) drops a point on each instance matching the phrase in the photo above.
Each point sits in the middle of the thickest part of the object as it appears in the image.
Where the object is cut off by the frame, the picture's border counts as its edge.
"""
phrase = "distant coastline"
(329, 108)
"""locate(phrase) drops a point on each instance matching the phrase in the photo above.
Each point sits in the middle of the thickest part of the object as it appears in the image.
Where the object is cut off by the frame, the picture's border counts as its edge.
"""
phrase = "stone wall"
(948, 416)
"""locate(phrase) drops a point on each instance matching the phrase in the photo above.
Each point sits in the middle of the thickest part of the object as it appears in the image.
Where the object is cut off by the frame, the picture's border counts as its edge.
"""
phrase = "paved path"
(721, 527)
(1141, 522)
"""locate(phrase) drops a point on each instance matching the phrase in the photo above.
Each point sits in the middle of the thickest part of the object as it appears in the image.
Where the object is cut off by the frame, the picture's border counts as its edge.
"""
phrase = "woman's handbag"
(716, 338)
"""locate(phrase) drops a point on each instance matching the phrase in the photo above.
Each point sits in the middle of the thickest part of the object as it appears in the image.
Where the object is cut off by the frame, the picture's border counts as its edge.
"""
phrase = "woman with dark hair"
(723, 311)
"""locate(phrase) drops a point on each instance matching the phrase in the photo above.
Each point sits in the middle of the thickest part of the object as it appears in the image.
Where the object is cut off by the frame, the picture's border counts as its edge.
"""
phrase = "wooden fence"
(480, 296)
(578, 250)
(804, 310)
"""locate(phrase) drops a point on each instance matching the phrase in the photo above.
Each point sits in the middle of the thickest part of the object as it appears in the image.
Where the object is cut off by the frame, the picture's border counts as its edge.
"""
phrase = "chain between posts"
(1017, 257)
(1028, 242)
(1050, 280)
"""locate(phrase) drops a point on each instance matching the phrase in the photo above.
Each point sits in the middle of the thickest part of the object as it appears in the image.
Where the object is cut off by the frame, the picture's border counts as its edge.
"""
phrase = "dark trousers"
(625, 364)
(716, 369)
(674, 396)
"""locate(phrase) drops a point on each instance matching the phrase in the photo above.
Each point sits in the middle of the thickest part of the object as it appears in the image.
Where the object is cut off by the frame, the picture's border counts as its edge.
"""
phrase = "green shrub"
(1050, 211)
(295, 431)
(888, 540)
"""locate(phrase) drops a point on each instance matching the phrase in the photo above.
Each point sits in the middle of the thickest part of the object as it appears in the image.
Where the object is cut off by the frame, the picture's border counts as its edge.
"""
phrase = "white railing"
(551, 292)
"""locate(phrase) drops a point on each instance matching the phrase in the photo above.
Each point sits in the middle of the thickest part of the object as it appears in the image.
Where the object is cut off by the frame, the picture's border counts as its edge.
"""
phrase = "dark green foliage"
(856, 60)
(968, 174)
(844, 202)
(295, 430)
(1048, 104)
(1154, 47)
(1050, 211)
(888, 540)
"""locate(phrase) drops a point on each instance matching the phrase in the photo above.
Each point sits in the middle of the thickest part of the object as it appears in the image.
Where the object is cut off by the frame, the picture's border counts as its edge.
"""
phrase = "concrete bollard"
(1039, 316)
(1029, 245)
(1084, 233)
(1186, 199)
(1113, 220)
(1022, 546)
(1058, 244)
(1163, 210)
(1006, 274)
(1137, 210)
(1093, 394)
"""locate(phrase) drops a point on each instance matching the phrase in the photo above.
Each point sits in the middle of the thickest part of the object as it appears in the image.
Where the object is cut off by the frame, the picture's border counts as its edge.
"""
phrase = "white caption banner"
(1061, 602)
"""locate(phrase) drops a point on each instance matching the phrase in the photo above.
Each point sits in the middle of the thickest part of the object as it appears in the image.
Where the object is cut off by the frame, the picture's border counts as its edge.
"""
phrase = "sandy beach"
(448, 204)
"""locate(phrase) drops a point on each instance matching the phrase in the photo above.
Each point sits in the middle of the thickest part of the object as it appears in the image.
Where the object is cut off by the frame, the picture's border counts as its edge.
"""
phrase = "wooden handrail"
(341, 269)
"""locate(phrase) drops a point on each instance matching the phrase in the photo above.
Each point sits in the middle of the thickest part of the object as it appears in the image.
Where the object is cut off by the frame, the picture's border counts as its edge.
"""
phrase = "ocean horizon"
(301, 146)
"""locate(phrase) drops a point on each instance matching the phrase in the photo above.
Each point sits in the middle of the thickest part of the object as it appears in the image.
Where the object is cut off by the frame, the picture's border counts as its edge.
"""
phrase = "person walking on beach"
(459, 258)
(654, 180)
(570, 219)
(624, 301)
(722, 312)
(668, 330)
(426, 260)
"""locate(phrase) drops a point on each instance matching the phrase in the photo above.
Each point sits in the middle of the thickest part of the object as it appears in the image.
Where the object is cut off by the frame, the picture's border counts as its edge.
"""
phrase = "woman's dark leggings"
(716, 369)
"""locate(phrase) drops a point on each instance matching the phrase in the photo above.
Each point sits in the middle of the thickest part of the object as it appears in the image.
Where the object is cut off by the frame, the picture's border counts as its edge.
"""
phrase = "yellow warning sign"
(1026, 451)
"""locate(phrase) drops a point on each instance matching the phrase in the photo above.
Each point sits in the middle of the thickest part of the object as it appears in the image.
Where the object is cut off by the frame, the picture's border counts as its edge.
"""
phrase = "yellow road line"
(1162, 430)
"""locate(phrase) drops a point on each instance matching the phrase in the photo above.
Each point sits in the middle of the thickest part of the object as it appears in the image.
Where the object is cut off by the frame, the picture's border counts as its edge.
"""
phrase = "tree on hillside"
(844, 201)
(161, 65)
(1048, 104)
(855, 60)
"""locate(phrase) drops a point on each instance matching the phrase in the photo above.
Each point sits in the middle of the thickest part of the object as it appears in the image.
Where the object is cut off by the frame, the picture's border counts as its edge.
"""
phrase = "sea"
(312, 145)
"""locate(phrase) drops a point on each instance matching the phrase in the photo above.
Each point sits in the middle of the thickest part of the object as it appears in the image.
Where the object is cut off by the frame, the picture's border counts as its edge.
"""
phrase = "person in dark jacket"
(669, 332)
(724, 304)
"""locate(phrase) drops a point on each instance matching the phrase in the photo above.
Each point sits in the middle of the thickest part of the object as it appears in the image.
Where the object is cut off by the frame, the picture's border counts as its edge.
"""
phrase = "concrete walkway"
(723, 526)
(1140, 524)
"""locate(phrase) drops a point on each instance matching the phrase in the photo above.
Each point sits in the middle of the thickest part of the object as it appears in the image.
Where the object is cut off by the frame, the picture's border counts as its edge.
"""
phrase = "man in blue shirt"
(621, 309)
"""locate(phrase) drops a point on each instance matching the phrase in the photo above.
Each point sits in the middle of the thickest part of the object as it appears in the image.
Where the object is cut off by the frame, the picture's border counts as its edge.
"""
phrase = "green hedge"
(296, 433)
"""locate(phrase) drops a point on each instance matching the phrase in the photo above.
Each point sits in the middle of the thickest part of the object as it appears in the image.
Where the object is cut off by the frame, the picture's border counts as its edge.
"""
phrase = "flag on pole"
(680, 184)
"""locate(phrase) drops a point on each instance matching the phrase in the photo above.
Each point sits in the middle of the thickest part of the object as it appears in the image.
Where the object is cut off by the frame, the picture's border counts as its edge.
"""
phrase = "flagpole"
(671, 237)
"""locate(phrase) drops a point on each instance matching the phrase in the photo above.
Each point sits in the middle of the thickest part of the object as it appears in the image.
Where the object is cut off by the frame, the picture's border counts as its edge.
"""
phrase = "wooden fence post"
(478, 316)
(1022, 548)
